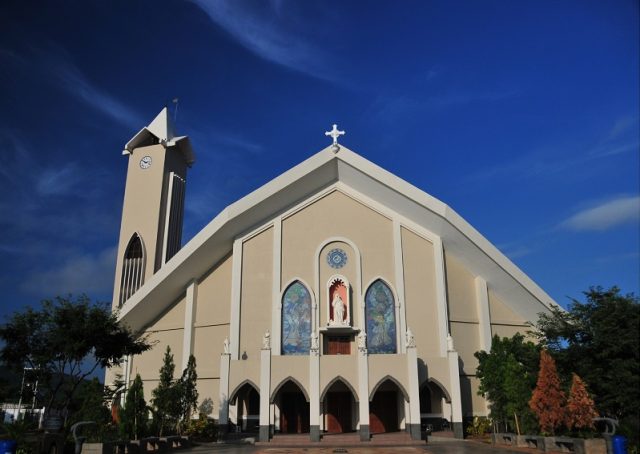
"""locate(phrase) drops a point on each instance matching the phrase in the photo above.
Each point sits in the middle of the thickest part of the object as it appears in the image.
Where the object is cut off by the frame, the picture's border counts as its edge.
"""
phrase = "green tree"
(134, 414)
(89, 404)
(189, 390)
(507, 376)
(599, 340)
(64, 342)
(167, 396)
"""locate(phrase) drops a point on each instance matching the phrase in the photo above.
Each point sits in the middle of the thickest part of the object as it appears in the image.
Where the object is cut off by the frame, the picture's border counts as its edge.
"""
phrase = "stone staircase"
(341, 440)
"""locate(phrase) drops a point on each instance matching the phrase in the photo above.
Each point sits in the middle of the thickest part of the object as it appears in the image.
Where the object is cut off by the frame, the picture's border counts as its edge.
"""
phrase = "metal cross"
(334, 133)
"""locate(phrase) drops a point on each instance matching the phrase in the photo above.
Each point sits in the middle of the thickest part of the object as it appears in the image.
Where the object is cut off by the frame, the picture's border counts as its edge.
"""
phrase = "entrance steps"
(341, 440)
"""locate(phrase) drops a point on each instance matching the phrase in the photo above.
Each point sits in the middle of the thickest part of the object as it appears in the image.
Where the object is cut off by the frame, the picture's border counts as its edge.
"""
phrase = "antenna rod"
(175, 111)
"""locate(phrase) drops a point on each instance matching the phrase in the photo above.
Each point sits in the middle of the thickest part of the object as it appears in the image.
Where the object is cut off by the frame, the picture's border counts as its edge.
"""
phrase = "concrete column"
(223, 401)
(265, 392)
(484, 319)
(413, 418)
(189, 319)
(314, 394)
(482, 305)
(236, 290)
(363, 392)
(456, 398)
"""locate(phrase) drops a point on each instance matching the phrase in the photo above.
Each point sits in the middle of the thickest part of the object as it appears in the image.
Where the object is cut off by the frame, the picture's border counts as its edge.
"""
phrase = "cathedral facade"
(335, 298)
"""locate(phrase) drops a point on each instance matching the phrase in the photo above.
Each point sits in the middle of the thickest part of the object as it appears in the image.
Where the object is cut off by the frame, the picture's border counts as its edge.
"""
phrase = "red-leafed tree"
(548, 399)
(580, 407)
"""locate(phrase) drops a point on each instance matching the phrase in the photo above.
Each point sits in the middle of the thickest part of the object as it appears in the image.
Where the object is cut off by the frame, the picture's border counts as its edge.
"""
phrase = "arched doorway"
(339, 404)
(294, 409)
(385, 407)
(247, 401)
(433, 400)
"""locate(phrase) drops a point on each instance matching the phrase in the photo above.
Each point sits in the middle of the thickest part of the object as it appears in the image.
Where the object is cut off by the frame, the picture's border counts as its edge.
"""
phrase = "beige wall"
(504, 321)
(336, 215)
(383, 365)
(472, 403)
(214, 295)
(332, 366)
(256, 300)
(420, 292)
(466, 342)
(283, 367)
(461, 293)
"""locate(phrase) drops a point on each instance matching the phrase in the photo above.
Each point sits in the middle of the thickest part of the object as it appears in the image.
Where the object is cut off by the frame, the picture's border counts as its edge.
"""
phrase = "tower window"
(132, 268)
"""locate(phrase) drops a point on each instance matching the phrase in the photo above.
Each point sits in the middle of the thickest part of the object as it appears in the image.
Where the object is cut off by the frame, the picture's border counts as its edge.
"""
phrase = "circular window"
(337, 258)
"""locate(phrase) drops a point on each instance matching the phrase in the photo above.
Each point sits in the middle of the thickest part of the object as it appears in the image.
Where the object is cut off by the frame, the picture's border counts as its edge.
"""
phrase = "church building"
(335, 298)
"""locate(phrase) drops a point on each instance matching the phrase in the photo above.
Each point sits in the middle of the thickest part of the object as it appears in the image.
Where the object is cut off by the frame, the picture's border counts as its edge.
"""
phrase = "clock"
(145, 162)
(337, 258)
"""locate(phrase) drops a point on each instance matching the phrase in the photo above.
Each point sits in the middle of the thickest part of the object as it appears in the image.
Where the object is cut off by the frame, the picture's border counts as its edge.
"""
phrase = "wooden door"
(338, 345)
(294, 413)
(338, 412)
(383, 412)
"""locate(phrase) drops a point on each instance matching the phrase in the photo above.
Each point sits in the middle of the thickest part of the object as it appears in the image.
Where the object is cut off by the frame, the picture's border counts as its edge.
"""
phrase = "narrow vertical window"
(296, 320)
(381, 318)
(132, 268)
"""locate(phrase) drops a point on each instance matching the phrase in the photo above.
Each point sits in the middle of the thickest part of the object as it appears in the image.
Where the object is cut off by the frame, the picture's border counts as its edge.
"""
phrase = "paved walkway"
(447, 447)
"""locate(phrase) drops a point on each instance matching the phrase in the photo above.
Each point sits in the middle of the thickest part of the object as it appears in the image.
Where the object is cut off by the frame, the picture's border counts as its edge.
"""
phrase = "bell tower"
(153, 208)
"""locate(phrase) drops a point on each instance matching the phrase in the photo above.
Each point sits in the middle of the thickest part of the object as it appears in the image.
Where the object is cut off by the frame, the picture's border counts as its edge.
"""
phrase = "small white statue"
(266, 341)
(450, 343)
(338, 309)
(226, 346)
(314, 341)
(362, 341)
(411, 342)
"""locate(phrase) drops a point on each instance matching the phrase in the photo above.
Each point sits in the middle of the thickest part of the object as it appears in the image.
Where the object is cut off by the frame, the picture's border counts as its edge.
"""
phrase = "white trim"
(441, 297)
(276, 300)
(312, 177)
(357, 293)
(167, 215)
(401, 314)
(236, 293)
(484, 315)
(189, 320)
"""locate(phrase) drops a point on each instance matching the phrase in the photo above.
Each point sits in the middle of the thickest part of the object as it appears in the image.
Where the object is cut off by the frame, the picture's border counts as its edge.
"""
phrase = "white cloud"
(75, 83)
(58, 181)
(607, 215)
(90, 274)
(261, 29)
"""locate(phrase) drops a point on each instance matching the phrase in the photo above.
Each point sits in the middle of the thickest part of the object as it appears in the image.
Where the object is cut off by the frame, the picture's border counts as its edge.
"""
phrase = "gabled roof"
(162, 129)
(320, 171)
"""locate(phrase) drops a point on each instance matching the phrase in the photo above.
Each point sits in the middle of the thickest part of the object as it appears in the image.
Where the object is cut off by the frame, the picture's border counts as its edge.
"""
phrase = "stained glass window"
(381, 318)
(296, 320)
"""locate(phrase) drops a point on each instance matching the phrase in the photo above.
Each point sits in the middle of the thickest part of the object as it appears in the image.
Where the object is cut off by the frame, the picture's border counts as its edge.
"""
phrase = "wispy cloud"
(260, 28)
(54, 64)
(58, 181)
(72, 80)
(91, 274)
(607, 215)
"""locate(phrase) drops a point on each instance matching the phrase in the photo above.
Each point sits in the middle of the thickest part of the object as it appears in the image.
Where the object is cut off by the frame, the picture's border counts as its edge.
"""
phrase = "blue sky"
(521, 115)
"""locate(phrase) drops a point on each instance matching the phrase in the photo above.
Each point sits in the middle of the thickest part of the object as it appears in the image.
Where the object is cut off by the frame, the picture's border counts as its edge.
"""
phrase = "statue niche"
(339, 302)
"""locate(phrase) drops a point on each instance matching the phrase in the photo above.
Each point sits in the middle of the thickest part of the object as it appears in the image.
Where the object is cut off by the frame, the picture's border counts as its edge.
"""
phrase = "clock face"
(337, 258)
(145, 162)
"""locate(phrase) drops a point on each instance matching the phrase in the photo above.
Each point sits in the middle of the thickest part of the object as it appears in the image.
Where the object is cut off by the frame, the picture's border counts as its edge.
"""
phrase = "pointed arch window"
(296, 320)
(132, 268)
(381, 318)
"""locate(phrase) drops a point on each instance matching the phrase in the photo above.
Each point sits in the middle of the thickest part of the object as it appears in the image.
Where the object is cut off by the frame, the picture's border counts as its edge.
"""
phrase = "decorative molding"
(401, 314)
(236, 291)
(276, 298)
(441, 296)
(346, 317)
(189, 319)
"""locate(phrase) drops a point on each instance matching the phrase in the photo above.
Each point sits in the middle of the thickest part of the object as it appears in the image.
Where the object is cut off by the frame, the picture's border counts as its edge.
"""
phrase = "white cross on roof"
(334, 133)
